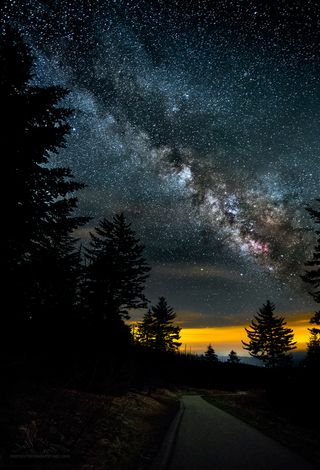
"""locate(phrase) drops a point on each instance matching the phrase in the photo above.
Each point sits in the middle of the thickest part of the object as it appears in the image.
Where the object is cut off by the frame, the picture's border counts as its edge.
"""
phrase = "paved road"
(210, 439)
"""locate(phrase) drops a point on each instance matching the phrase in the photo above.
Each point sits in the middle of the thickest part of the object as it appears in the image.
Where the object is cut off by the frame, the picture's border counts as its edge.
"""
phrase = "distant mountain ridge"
(297, 358)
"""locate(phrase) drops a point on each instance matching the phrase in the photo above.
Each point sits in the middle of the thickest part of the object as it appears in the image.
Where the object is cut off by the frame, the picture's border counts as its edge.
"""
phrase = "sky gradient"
(200, 121)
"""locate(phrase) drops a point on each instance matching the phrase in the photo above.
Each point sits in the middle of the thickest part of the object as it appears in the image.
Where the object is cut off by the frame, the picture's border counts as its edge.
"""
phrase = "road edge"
(162, 458)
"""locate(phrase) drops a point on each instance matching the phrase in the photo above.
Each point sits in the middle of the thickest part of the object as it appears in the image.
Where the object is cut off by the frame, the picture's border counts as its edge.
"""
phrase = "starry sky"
(200, 121)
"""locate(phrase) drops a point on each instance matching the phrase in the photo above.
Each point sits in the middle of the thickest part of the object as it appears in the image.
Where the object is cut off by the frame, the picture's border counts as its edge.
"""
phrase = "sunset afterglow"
(225, 338)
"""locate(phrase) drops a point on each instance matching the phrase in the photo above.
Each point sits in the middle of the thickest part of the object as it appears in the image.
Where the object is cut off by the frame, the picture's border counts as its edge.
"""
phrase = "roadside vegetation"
(83, 430)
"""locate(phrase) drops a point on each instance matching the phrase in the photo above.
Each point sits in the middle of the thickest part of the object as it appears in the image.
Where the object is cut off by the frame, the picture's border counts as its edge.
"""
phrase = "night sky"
(199, 120)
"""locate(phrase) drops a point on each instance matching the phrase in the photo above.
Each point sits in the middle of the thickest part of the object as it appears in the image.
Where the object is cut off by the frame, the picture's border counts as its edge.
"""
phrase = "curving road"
(211, 439)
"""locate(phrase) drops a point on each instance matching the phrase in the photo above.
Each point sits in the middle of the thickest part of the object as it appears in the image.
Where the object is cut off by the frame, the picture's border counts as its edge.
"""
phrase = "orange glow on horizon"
(225, 338)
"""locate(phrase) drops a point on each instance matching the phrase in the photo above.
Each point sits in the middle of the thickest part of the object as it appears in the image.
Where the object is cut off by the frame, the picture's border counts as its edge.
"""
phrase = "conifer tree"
(233, 358)
(38, 258)
(166, 334)
(210, 354)
(146, 330)
(312, 277)
(116, 272)
(313, 349)
(269, 339)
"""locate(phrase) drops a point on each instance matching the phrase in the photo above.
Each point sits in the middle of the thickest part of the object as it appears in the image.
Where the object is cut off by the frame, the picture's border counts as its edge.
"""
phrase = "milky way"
(199, 120)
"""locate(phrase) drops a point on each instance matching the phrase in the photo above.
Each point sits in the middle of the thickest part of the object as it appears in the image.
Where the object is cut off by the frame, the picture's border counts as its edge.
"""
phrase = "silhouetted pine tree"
(210, 354)
(38, 252)
(269, 339)
(146, 330)
(115, 275)
(313, 349)
(166, 334)
(312, 276)
(233, 358)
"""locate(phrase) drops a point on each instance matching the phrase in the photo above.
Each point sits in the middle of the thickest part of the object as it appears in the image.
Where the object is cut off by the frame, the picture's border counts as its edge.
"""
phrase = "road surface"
(210, 439)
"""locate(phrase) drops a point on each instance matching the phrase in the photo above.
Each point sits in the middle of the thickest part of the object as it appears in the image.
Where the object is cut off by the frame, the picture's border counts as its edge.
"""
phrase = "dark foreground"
(107, 410)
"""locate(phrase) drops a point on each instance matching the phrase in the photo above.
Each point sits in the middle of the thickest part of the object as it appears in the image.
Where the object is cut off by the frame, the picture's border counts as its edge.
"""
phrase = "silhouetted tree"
(312, 277)
(38, 252)
(210, 354)
(269, 339)
(313, 349)
(166, 334)
(115, 275)
(233, 358)
(146, 330)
